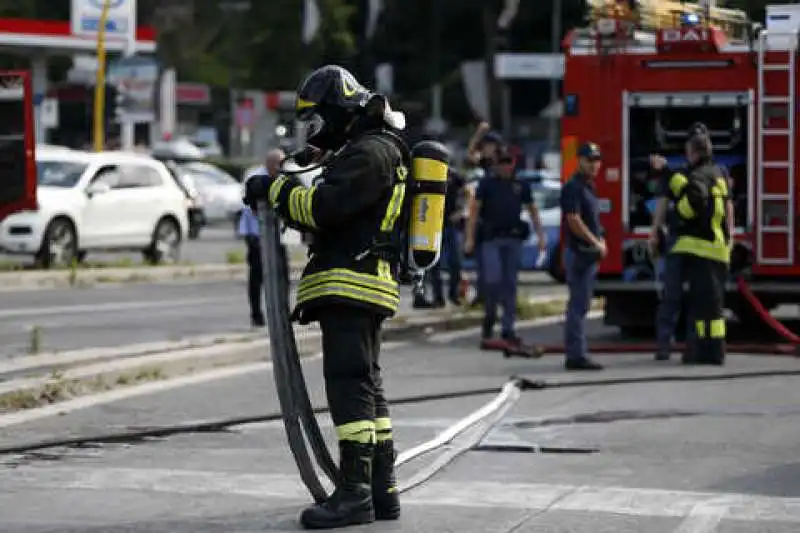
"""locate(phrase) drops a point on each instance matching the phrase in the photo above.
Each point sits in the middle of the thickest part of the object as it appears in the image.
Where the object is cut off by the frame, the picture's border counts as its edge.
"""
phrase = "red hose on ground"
(624, 348)
(790, 348)
(771, 321)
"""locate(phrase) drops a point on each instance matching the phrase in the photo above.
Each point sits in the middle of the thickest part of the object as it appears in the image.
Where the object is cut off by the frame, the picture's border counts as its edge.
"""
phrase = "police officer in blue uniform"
(585, 248)
(498, 203)
(486, 156)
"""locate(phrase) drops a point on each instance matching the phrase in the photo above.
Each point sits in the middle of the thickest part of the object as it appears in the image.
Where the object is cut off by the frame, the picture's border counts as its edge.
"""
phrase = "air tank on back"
(429, 168)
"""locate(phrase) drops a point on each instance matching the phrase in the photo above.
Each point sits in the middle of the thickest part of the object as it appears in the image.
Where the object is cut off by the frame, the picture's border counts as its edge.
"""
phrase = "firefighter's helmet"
(330, 86)
(327, 102)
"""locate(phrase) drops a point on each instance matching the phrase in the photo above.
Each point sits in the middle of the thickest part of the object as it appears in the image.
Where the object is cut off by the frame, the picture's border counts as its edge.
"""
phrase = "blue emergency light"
(690, 19)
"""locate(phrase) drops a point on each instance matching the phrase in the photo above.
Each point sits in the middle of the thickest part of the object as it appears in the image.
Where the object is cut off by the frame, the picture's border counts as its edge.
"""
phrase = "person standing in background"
(586, 247)
(498, 203)
(249, 231)
(483, 151)
(667, 222)
(702, 238)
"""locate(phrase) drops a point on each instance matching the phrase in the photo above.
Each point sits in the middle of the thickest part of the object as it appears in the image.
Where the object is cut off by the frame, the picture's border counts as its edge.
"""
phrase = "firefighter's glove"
(256, 190)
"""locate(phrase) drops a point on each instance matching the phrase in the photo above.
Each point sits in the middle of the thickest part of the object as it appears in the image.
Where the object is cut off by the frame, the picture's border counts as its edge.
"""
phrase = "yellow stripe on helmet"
(303, 104)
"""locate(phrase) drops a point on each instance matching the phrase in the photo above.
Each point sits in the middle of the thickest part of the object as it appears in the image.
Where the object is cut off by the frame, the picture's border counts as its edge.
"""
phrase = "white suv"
(109, 201)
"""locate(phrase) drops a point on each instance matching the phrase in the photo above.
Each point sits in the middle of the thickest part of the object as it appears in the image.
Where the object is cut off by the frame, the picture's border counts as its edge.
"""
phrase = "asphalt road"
(68, 319)
(671, 457)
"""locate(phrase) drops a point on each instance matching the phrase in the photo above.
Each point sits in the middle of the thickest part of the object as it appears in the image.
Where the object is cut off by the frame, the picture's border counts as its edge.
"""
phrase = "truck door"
(18, 181)
(658, 123)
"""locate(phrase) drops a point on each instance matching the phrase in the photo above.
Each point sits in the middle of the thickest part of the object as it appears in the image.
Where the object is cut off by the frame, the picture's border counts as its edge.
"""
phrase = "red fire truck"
(17, 158)
(636, 94)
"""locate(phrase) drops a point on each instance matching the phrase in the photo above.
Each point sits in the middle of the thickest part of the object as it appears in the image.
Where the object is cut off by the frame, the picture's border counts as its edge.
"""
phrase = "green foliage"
(754, 8)
(260, 47)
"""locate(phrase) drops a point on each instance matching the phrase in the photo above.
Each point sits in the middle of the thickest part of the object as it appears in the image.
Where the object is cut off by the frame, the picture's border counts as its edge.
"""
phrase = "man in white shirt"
(249, 230)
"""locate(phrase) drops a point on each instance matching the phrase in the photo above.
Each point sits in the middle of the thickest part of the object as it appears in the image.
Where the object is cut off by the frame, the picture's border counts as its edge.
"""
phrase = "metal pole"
(555, 46)
(128, 127)
(100, 83)
(436, 88)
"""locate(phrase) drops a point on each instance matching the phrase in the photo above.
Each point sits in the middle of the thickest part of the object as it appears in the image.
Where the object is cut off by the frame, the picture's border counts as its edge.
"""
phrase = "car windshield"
(209, 174)
(64, 174)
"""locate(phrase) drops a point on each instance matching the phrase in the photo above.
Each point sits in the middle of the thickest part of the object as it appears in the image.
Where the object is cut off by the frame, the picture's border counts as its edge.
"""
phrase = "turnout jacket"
(700, 194)
(350, 212)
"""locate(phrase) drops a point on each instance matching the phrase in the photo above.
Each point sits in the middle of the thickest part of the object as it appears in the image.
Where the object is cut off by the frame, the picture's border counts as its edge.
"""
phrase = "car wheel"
(166, 244)
(59, 246)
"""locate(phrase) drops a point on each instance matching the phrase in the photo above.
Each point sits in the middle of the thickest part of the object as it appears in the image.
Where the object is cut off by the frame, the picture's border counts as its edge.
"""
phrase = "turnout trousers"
(705, 307)
(351, 339)
(367, 488)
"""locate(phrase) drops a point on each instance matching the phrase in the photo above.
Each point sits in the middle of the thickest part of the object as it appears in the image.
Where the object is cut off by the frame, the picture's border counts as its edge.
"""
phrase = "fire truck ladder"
(776, 171)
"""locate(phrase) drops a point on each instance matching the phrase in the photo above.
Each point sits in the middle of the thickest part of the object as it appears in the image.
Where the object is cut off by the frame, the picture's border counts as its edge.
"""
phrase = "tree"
(274, 50)
(754, 8)
(407, 28)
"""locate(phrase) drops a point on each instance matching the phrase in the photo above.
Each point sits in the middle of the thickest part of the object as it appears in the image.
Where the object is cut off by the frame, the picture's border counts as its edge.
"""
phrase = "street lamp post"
(555, 46)
(99, 133)
(127, 125)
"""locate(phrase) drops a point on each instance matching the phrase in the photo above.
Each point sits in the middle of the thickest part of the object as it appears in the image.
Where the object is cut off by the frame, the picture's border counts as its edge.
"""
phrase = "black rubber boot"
(384, 483)
(711, 352)
(351, 504)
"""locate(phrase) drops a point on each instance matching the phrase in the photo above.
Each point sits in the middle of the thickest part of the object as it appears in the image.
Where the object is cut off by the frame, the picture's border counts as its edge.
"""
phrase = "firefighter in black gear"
(349, 285)
(703, 238)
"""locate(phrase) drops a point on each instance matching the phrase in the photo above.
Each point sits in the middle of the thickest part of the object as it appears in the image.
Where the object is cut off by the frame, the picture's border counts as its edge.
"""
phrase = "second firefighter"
(703, 240)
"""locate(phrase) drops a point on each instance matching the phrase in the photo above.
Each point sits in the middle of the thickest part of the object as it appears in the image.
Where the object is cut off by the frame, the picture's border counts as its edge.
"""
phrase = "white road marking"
(634, 502)
(93, 400)
(104, 307)
(705, 517)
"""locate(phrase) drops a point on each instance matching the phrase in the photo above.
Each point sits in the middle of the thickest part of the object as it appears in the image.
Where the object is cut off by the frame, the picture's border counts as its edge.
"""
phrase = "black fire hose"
(296, 408)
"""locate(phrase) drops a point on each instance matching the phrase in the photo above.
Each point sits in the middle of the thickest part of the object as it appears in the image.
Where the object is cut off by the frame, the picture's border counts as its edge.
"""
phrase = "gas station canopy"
(56, 38)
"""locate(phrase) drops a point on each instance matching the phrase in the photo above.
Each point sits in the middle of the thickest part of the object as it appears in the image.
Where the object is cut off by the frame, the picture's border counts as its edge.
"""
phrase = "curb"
(48, 379)
(89, 277)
